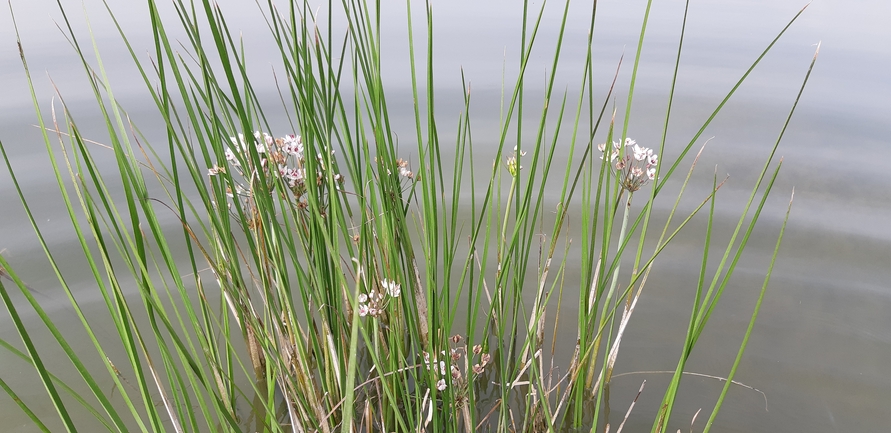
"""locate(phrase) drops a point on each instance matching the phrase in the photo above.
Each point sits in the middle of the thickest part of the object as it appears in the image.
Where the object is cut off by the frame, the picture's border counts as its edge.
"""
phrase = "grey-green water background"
(821, 350)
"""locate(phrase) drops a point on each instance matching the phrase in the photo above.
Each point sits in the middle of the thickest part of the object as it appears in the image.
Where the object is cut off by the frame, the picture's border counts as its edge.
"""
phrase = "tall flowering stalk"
(635, 166)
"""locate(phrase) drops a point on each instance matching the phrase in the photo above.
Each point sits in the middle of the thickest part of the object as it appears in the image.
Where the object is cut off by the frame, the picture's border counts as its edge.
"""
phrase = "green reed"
(330, 283)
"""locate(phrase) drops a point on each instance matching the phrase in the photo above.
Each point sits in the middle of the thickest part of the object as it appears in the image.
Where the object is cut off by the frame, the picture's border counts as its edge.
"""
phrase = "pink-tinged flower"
(636, 171)
(441, 385)
(640, 153)
(363, 310)
(290, 175)
(292, 145)
(629, 142)
(215, 170)
(363, 298)
(653, 159)
(651, 173)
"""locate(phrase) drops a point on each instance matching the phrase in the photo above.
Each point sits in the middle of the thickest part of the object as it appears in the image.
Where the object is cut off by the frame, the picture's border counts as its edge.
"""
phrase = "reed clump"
(335, 281)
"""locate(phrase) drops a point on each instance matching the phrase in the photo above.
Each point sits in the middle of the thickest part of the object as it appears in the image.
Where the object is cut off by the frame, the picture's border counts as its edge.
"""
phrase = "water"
(821, 348)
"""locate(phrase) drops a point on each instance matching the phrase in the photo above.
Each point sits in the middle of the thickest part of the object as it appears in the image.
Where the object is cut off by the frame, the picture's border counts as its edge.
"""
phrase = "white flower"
(640, 153)
(522, 152)
(653, 159)
(215, 170)
(263, 139)
(629, 142)
(238, 142)
(403, 168)
(392, 287)
(363, 298)
(651, 173)
(363, 310)
(441, 385)
(230, 156)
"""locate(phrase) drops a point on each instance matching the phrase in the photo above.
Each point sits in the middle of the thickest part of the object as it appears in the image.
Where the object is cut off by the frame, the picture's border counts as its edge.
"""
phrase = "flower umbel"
(635, 166)
(279, 159)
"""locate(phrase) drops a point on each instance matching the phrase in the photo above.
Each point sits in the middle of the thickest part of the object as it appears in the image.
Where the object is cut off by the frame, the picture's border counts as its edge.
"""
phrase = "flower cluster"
(513, 164)
(452, 360)
(635, 165)
(374, 302)
(402, 168)
(280, 158)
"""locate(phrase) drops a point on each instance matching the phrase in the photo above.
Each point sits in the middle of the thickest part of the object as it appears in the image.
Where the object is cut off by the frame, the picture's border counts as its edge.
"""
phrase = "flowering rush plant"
(635, 165)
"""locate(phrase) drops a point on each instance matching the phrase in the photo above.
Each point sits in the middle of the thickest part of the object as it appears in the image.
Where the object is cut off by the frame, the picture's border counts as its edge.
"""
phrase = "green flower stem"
(612, 288)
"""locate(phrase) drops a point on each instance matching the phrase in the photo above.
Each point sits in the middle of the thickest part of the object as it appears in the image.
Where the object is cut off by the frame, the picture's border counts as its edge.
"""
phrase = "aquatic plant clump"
(359, 293)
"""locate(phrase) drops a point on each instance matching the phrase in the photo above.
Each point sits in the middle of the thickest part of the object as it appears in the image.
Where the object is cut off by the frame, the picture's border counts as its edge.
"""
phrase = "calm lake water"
(821, 350)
